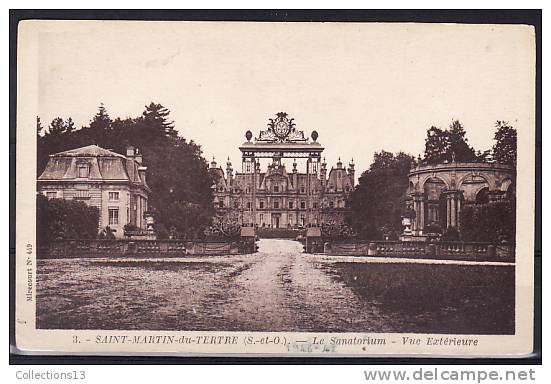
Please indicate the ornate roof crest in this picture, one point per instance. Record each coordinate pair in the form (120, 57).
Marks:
(282, 129)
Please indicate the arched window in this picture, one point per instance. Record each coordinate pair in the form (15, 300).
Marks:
(483, 196)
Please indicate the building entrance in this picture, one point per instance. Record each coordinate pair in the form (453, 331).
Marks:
(275, 220)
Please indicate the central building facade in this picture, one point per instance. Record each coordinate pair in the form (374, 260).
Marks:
(278, 197)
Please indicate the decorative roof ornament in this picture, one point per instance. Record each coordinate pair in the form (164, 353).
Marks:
(314, 135)
(282, 129)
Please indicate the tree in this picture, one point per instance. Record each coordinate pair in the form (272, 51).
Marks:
(448, 145)
(377, 203)
(57, 127)
(100, 127)
(505, 148)
(189, 220)
(436, 145)
(156, 115)
(69, 125)
(458, 147)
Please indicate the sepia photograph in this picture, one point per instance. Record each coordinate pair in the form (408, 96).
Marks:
(320, 187)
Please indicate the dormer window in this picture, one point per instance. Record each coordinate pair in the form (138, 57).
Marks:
(83, 171)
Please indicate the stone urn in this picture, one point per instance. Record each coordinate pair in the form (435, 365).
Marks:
(406, 223)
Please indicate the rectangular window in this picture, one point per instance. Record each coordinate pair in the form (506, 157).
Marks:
(276, 188)
(302, 205)
(51, 195)
(248, 205)
(302, 190)
(331, 204)
(261, 205)
(276, 204)
(82, 171)
(290, 205)
(113, 196)
(113, 216)
(315, 205)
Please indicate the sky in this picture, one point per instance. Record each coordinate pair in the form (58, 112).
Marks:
(362, 87)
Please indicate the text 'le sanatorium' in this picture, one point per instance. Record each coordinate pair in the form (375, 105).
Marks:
(316, 340)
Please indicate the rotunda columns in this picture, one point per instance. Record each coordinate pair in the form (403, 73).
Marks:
(453, 207)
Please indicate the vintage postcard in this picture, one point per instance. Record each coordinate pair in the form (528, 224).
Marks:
(271, 188)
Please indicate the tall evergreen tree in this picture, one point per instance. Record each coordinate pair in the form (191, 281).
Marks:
(156, 115)
(57, 127)
(101, 121)
(69, 125)
(458, 146)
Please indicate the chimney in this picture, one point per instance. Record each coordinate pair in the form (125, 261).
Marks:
(129, 151)
(138, 156)
(130, 162)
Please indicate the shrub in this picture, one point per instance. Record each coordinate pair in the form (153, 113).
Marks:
(494, 222)
(58, 219)
(433, 228)
(451, 234)
(130, 228)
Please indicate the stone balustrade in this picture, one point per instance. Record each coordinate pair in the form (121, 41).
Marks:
(468, 251)
(120, 247)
